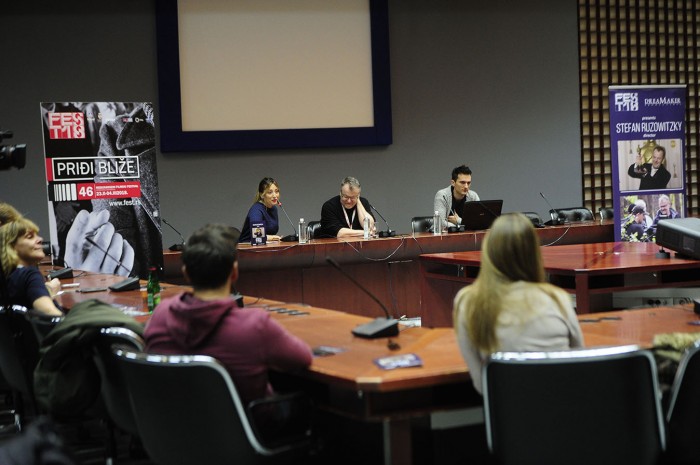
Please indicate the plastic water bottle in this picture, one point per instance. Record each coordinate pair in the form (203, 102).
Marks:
(366, 227)
(437, 224)
(303, 233)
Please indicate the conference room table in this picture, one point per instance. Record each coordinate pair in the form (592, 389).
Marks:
(351, 384)
(387, 267)
(592, 272)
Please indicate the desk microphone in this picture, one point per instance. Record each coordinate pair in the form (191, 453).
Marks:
(128, 284)
(290, 237)
(389, 232)
(175, 247)
(379, 327)
(554, 221)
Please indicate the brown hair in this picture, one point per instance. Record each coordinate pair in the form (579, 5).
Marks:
(9, 234)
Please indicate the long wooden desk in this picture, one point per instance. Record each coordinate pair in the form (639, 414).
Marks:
(350, 384)
(388, 267)
(589, 271)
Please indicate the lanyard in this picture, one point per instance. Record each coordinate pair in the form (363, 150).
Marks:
(347, 220)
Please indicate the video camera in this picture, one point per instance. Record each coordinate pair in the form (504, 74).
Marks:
(12, 155)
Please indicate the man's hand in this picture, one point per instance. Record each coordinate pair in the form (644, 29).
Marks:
(82, 255)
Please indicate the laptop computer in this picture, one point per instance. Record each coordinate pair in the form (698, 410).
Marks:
(480, 214)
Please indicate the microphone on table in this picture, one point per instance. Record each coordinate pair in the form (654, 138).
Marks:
(128, 284)
(389, 232)
(175, 247)
(290, 237)
(379, 327)
(554, 221)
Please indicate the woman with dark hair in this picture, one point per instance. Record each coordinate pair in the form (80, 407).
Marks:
(21, 250)
(510, 307)
(263, 211)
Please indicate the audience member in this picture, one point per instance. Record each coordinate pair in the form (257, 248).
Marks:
(510, 307)
(247, 341)
(21, 250)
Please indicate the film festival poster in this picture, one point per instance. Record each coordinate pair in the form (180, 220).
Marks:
(102, 186)
(647, 138)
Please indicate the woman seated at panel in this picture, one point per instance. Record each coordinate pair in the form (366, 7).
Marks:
(21, 250)
(510, 307)
(263, 211)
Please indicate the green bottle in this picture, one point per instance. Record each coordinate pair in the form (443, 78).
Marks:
(153, 289)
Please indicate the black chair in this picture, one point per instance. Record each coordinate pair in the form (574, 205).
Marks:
(683, 416)
(188, 412)
(20, 333)
(314, 229)
(113, 389)
(421, 224)
(576, 407)
(606, 213)
(575, 214)
(534, 217)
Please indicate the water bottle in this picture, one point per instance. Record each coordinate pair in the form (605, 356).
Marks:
(303, 233)
(437, 224)
(366, 227)
(153, 289)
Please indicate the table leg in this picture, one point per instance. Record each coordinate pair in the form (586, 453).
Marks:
(397, 442)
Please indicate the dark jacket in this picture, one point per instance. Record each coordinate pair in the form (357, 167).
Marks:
(66, 381)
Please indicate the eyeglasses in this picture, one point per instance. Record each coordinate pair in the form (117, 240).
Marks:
(347, 197)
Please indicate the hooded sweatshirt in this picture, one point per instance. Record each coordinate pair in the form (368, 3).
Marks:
(245, 340)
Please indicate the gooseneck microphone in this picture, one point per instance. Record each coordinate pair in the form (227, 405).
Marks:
(175, 247)
(554, 221)
(290, 237)
(379, 327)
(129, 284)
(389, 232)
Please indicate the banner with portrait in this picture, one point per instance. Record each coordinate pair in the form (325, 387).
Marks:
(102, 186)
(647, 138)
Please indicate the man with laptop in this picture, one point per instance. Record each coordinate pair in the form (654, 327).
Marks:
(450, 200)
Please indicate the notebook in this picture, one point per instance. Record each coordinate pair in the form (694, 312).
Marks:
(480, 214)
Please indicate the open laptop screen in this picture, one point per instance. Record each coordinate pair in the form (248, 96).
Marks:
(480, 214)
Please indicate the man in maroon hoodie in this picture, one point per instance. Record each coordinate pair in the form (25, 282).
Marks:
(208, 322)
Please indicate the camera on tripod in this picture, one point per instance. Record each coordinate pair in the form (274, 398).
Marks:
(12, 155)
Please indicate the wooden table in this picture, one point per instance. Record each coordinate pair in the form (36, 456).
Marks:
(589, 271)
(350, 384)
(388, 267)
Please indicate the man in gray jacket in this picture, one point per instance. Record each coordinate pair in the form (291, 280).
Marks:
(450, 200)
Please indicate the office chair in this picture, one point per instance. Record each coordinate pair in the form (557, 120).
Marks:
(20, 330)
(534, 217)
(421, 224)
(575, 214)
(606, 213)
(313, 229)
(683, 416)
(576, 407)
(188, 412)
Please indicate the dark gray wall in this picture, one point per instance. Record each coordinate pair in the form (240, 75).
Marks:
(489, 83)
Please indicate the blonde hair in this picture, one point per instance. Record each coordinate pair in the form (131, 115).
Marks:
(9, 234)
(510, 252)
(8, 213)
(263, 186)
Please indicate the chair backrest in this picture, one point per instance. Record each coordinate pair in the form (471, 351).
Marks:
(606, 213)
(576, 407)
(314, 229)
(534, 217)
(113, 390)
(575, 214)
(421, 224)
(188, 410)
(683, 417)
(19, 350)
